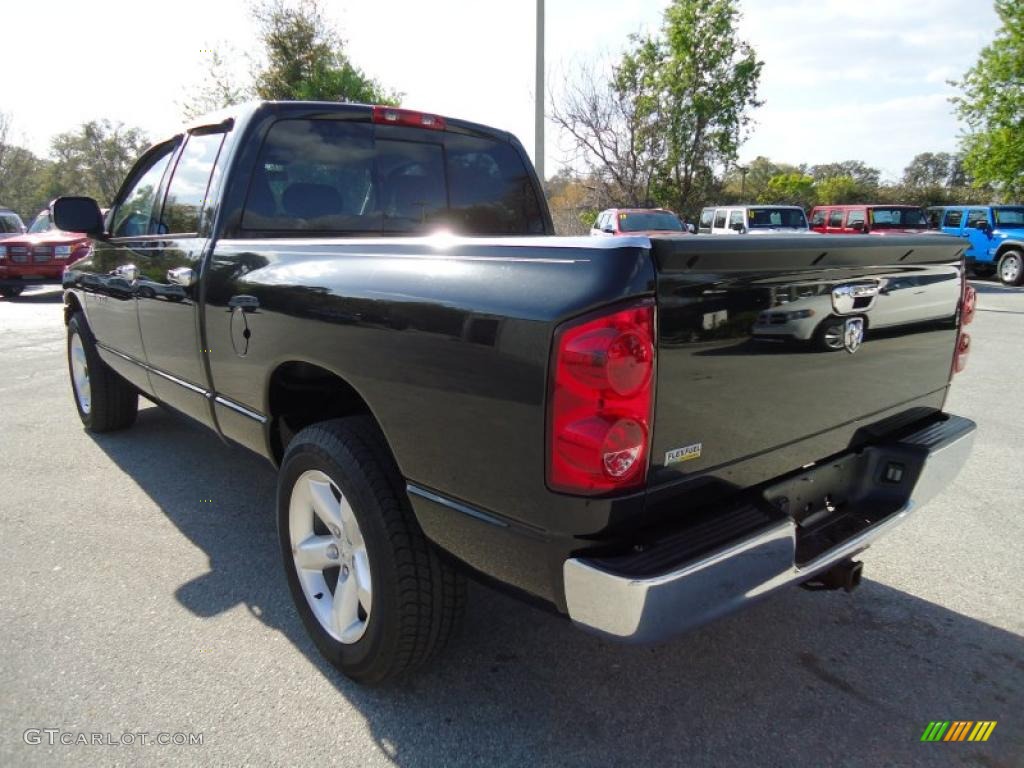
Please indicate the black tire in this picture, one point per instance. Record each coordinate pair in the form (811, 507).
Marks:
(112, 402)
(1011, 268)
(418, 598)
(826, 333)
(11, 291)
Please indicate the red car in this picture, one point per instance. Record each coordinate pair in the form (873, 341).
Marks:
(39, 256)
(637, 221)
(868, 219)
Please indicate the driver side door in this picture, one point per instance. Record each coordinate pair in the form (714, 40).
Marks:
(110, 277)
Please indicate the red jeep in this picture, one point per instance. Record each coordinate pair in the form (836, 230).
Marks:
(39, 256)
(865, 219)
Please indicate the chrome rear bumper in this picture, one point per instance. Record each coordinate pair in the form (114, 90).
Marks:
(651, 608)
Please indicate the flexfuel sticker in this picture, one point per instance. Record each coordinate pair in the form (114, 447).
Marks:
(686, 453)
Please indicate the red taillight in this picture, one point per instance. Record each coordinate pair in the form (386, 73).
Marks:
(408, 117)
(963, 350)
(599, 417)
(970, 304)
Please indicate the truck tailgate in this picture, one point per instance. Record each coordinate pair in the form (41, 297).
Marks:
(759, 367)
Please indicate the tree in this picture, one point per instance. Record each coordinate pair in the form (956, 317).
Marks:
(301, 57)
(992, 105)
(840, 189)
(304, 58)
(790, 189)
(674, 112)
(219, 89)
(933, 169)
(864, 175)
(750, 181)
(94, 159)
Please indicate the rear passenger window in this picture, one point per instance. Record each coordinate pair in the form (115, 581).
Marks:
(336, 176)
(953, 218)
(719, 219)
(975, 215)
(187, 191)
(835, 219)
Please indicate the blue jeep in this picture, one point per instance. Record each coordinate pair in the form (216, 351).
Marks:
(995, 235)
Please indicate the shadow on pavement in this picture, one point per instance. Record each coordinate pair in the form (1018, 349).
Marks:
(996, 288)
(45, 295)
(803, 678)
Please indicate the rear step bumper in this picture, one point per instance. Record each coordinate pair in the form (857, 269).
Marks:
(614, 602)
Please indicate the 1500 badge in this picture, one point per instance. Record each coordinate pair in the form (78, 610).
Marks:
(686, 453)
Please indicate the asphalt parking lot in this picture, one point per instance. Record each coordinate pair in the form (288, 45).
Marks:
(128, 604)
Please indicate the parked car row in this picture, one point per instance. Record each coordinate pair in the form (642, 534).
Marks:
(995, 233)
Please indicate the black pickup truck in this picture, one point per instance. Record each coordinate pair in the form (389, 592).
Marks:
(373, 299)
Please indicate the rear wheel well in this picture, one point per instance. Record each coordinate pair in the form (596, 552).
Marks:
(302, 394)
(1007, 247)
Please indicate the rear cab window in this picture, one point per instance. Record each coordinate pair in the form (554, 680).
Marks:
(835, 219)
(720, 219)
(344, 177)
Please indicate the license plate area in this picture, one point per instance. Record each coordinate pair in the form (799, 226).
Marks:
(840, 498)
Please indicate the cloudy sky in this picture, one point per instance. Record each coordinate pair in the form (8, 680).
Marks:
(842, 80)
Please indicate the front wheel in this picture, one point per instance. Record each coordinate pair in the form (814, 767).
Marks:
(374, 595)
(104, 400)
(11, 291)
(829, 335)
(1011, 268)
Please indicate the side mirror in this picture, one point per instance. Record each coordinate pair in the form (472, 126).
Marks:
(77, 214)
(608, 231)
(857, 225)
(982, 225)
(739, 227)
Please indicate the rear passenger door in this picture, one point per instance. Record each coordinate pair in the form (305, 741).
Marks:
(719, 227)
(980, 239)
(856, 221)
(817, 222)
(168, 282)
(736, 222)
(834, 222)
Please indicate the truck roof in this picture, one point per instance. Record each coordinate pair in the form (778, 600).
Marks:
(250, 110)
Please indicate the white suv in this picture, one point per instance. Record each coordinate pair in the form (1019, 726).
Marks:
(753, 220)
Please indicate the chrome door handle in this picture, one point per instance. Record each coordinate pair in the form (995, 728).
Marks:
(181, 276)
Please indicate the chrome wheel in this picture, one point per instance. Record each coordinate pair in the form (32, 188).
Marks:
(330, 556)
(80, 374)
(833, 336)
(1010, 269)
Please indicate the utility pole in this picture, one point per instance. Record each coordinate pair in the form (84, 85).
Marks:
(538, 125)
